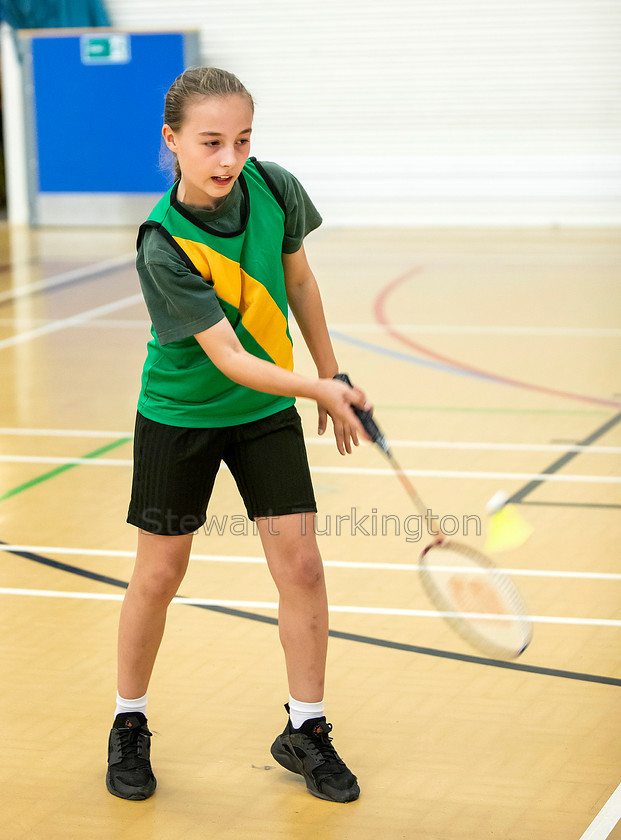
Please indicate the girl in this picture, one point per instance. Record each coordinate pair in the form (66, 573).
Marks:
(220, 261)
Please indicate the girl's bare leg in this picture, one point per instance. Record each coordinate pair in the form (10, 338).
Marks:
(294, 561)
(161, 563)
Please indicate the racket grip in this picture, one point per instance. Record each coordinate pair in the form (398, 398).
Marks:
(366, 418)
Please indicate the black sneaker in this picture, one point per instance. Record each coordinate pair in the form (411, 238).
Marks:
(309, 752)
(129, 768)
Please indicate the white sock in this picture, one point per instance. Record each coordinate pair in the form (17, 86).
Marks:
(300, 712)
(130, 706)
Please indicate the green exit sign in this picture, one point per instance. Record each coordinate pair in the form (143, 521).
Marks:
(105, 49)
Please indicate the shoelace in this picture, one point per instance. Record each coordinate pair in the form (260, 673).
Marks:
(321, 744)
(130, 748)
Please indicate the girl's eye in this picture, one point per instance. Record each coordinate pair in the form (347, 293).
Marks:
(243, 141)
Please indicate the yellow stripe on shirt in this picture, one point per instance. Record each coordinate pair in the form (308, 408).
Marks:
(260, 314)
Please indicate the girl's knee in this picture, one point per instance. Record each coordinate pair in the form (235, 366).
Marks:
(160, 566)
(160, 583)
(303, 569)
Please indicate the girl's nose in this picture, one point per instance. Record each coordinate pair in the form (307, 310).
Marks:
(227, 157)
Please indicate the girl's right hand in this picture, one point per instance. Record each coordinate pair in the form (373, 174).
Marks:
(336, 398)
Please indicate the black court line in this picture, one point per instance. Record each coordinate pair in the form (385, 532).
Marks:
(519, 495)
(572, 504)
(337, 634)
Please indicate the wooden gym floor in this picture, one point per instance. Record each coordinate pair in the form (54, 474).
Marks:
(489, 354)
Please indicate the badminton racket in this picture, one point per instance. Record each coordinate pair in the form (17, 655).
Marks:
(479, 601)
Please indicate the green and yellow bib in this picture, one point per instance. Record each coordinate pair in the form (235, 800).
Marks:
(180, 384)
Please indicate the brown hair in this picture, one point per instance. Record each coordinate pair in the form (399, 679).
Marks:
(193, 84)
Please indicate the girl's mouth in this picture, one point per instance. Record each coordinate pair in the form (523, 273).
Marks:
(222, 180)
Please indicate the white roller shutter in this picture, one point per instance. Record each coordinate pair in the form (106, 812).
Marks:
(426, 111)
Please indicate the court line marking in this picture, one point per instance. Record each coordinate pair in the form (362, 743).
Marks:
(486, 447)
(534, 484)
(39, 479)
(74, 462)
(374, 329)
(457, 366)
(487, 329)
(271, 605)
(606, 820)
(69, 324)
(318, 441)
(373, 471)
(334, 564)
(83, 273)
(116, 323)
(73, 320)
(410, 358)
(517, 497)
(465, 409)
(77, 433)
(541, 477)
(389, 644)
(401, 356)
(602, 505)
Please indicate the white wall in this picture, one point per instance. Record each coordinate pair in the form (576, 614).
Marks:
(426, 111)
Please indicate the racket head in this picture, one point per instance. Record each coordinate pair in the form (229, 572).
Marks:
(478, 601)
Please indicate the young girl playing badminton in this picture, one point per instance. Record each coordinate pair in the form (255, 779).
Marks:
(220, 261)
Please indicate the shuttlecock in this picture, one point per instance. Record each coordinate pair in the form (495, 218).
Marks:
(507, 528)
(498, 501)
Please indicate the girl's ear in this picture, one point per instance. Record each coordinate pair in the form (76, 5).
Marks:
(169, 137)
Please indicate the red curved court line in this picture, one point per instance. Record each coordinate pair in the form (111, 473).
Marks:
(381, 318)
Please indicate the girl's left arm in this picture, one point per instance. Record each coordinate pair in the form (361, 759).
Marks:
(305, 302)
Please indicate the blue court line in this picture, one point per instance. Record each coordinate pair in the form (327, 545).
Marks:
(337, 634)
(521, 494)
(457, 370)
(403, 357)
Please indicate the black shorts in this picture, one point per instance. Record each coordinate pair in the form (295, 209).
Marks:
(175, 469)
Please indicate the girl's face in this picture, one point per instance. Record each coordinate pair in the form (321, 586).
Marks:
(212, 147)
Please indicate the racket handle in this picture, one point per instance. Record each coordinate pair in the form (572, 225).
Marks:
(366, 418)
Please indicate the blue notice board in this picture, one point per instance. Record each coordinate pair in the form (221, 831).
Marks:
(98, 110)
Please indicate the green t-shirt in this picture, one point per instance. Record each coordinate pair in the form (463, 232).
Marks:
(180, 385)
(179, 302)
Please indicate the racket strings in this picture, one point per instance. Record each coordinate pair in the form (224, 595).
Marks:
(475, 594)
(478, 600)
